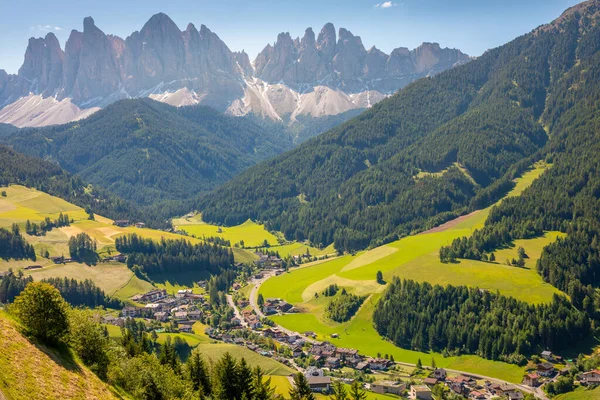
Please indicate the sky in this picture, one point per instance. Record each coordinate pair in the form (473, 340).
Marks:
(472, 26)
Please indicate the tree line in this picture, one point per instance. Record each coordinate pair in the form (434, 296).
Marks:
(14, 245)
(462, 320)
(77, 293)
(168, 256)
(46, 225)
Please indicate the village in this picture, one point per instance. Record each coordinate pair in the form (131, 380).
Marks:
(322, 362)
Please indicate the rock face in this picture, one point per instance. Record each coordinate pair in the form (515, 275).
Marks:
(320, 75)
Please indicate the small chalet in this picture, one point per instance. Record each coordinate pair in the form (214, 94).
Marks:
(477, 395)
(547, 355)
(545, 369)
(297, 351)
(121, 223)
(378, 364)
(590, 377)
(161, 316)
(152, 296)
(439, 374)
(420, 392)
(332, 362)
(321, 384)
(384, 387)
(183, 293)
(532, 379)
(140, 225)
(130, 312)
(185, 328)
(430, 381)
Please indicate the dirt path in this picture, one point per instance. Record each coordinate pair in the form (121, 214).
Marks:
(450, 224)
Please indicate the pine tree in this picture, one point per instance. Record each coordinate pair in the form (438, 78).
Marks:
(301, 389)
(198, 374)
(261, 387)
(357, 392)
(339, 391)
(225, 383)
(245, 380)
(419, 364)
(433, 363)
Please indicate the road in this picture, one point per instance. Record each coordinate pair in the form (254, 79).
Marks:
(236, 311)
(539, 393)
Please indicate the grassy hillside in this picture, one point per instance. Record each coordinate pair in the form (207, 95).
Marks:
(32, 371)
(414, 257)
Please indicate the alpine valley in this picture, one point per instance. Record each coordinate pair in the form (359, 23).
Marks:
(325, 222)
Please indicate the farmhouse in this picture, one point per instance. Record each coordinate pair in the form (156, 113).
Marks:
(33, 267)
(378, 363)
(420, 392)
(439, 374)
(297, 351)
(152, 296)
(161, 316)
(547, 355)
(545, 369)
(430, 381)
(332, 362)
(320, 384)
(384, 387)
(532, 379)
(590, 377)
(140, 225)
(121, 223)
(183, 293)
(185, 328)
(130, 312)
(57, 260)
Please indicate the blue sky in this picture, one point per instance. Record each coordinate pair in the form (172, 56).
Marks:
(470, 25)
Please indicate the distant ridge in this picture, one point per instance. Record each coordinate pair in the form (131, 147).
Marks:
(315, 76)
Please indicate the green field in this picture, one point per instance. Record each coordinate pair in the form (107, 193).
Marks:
(413, 257)
(250, 232)
(108, 276)
(581, 393)
(132, 287)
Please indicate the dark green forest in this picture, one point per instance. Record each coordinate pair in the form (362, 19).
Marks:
(14, 245)
(146, 151)
(566, 197)
(459, 320)
(173, 255)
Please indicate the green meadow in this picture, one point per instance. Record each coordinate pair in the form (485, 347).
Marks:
(250, 232)
(414, 257)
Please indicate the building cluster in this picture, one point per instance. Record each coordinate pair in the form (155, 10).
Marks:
(545, 370)
(185, 308)
(277, 306)
(268, 262)
(123, 223)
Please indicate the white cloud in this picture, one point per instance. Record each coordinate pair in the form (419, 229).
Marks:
(386, 4)
(46, 28)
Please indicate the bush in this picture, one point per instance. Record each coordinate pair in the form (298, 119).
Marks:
(42, 311)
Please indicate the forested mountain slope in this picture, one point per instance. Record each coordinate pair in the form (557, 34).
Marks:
(567, 196)
(147, 151)
(355, 185)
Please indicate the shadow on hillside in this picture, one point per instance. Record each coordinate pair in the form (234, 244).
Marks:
(60, 354)
(186, 279)
(586, 346)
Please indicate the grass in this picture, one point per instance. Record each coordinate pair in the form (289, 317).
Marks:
(109, 277)
(32, 371)
(250, 232)
(581, 393)
(134, 286)
(214, 351)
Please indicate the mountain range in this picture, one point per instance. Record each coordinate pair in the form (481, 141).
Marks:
(311, 76)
